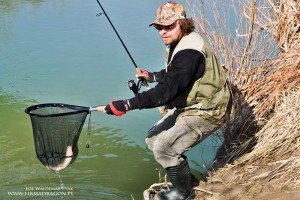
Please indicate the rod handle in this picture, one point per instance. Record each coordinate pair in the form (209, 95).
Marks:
(160, 109)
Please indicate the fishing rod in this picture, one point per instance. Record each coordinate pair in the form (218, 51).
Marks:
(131, 84)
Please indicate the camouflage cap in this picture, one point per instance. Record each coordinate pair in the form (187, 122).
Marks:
(168, 13)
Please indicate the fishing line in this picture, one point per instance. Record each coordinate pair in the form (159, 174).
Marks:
(89, 131)
(99, 14)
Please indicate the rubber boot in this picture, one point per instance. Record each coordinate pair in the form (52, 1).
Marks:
(180, 177)
(195, 182)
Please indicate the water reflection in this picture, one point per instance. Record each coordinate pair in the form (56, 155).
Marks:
(35, 2)
(9, 5)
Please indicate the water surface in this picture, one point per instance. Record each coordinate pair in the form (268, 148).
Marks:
(59, 51)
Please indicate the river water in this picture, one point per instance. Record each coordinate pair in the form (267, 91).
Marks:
(59, 51)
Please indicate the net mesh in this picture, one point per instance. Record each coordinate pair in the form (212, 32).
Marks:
(56, 130)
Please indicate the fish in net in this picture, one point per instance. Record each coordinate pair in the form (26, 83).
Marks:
(56, 130)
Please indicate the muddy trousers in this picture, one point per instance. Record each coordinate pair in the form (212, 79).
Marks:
(169, 138)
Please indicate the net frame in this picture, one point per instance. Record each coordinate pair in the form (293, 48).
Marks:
(78, 109)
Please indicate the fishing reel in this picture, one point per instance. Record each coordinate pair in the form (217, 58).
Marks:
(135, 88)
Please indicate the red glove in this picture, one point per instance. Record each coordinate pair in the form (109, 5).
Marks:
(117, 107)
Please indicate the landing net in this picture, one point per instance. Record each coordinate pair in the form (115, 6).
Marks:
(56, 130)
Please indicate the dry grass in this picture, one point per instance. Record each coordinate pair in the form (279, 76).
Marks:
(259, 43)
(261, 54)
(259, 48)
(277, 148)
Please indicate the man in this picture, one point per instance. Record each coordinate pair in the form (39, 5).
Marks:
(194, 90)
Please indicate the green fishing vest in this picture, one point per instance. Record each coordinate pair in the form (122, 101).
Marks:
(208, 96)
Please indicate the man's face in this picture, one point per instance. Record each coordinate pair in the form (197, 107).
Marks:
(170, 34)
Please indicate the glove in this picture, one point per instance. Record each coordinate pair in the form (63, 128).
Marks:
(148, 76)
(117, 107)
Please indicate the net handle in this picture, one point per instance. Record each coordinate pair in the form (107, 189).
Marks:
(98, 108)
(102, 109)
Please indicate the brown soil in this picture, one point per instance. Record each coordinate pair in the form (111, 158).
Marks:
(229, 187)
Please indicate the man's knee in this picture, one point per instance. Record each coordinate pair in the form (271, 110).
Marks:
(164, 154)
(158, 150)
(149, 142)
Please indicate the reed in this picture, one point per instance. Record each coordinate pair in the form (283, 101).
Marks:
(258, 42)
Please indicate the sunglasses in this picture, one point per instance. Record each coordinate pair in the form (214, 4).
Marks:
(167, 28)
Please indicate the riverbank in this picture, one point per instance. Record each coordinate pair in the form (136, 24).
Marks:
(271, 169)
(260, 157)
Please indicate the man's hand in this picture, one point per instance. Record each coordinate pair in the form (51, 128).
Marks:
(148, 76)
(117, 107)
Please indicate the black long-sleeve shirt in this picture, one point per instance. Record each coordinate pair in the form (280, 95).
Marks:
(183, 72)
